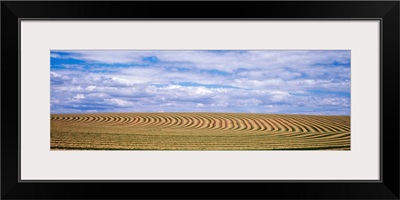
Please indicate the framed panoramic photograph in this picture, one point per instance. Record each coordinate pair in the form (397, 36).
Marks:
(290, 96)
(200, 100)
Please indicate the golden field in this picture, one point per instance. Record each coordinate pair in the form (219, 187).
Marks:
(198, 131)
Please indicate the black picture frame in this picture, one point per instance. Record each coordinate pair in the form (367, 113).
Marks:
(386, 11)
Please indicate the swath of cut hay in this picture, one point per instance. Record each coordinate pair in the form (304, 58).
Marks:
(199, 131)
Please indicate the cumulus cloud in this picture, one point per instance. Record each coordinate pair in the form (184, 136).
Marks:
(79, 96)
(118, 102)
(308, 82)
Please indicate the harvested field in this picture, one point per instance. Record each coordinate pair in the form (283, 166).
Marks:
(198, 131)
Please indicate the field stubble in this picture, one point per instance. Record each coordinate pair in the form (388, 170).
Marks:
(198, 131)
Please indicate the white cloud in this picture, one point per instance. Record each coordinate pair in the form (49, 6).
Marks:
(54, 55)
(199, 105)
(55, 74)
(280, 96)
(90, 87)
(118, 102)
(109, 57)
(79, 96)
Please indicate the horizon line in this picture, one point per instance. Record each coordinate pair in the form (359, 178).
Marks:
(199, 112)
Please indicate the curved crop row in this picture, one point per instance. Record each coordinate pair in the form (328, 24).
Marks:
(199, 131)
(216, 121)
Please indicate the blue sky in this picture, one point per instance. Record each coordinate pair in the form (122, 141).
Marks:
(264, 81)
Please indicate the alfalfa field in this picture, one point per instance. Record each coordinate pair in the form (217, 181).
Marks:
(199, 131)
